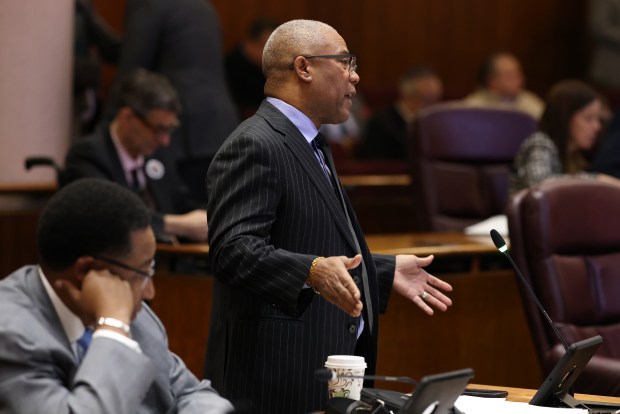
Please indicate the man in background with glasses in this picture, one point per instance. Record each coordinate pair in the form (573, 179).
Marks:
(76, 336)
(132, 151)
(295, 281)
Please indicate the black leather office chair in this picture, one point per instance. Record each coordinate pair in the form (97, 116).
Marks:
(462, 157)
(565, 238)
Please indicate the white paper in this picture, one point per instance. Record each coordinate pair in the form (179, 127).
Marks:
(478, 405)
(499, 223)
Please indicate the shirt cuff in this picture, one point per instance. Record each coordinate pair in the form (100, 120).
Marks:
(128, 342)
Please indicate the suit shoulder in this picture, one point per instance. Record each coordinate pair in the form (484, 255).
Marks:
(255, 130)
(93, 144)
(149, 319)
(16, 299)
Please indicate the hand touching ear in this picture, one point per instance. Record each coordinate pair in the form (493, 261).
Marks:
(94, 293)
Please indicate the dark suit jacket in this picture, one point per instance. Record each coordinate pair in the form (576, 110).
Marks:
(95, 156)
(385, 136)
(607, 157)
(182, 40)
(272, 211)
(39, 372)
(246, 82)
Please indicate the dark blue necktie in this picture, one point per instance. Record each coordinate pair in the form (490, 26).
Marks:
(321, 148)
(84, 342)
(321, 158)
(135, 181)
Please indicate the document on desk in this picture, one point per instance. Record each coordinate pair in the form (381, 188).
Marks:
(499, 223)
(478, 405)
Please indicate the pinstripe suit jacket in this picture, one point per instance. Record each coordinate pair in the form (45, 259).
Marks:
(272, 211)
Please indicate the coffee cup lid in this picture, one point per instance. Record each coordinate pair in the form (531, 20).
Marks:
(345, 361)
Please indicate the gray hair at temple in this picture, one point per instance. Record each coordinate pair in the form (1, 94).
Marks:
(144, 91)
(289, 40)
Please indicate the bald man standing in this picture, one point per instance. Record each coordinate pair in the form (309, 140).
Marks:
(295, 281)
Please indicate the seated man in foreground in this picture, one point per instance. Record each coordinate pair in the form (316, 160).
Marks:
(96, 253)
(131, 152)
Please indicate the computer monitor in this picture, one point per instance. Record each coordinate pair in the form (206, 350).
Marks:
(435, 393)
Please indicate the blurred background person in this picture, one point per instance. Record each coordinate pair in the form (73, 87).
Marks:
(604, 28)
(385, 135)
(94, 41)
(568, 131)
(182, 40)
(502, 84)
(132, 151)
(244, 70)
(607, 157)
(344, 138)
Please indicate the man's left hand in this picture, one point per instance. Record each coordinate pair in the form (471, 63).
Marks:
(420, 287)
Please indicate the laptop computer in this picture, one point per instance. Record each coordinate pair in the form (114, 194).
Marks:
(555, 390)
(434, 394)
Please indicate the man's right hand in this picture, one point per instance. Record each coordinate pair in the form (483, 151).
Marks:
(330, 277)
(102, 294)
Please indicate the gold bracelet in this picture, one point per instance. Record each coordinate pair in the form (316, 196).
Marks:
(311, 273)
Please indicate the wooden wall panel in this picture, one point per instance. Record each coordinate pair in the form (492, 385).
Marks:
(411, 343)
(452, 36)
(19, 215)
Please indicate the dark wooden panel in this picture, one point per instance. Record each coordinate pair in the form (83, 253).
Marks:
(183, 303)
(485, 329)
(451, 36)
(17, 240)
(19, 213)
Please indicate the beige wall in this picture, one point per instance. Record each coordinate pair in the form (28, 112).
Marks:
(35, 83)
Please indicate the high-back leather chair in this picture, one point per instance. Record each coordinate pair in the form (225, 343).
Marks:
(565, 238)
(462, 157)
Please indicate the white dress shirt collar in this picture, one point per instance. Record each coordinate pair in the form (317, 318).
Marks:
(71, 324)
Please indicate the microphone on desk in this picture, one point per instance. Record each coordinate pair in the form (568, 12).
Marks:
(499, 242)
(326, 374)
(556, 389)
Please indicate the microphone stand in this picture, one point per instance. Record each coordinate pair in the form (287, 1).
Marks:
(501, 245)
(499, 242)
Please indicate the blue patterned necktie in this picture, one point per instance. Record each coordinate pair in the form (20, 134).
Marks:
(84, 342)
(321, 158)
(323, 153)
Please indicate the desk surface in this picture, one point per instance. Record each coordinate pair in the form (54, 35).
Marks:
(423, 244)
(184, 249)
(25, 188)
(420, 244)
(375, 180)
(525, 395)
